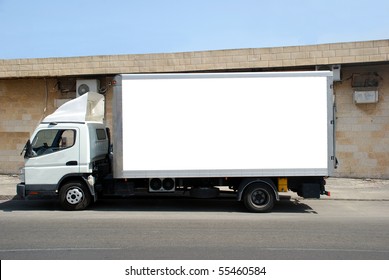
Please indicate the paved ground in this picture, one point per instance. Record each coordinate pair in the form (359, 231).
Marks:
(340, 189)
(351, 224)
(179, 229)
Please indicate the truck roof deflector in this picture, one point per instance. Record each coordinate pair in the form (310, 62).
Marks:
(87, 107)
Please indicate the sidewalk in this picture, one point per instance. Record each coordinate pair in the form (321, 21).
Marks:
(340, 189)
(357, 189)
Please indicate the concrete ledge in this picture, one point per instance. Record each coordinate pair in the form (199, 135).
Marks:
(293, 56)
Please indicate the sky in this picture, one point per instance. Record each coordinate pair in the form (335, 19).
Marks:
(65, 28)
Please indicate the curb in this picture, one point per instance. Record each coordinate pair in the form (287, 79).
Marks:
(16, 197)
(10, 197)
(349, 199)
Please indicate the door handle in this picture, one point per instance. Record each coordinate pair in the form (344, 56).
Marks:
(72, 162)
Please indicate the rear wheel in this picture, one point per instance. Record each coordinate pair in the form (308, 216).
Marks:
(259, 198)
(74, 196)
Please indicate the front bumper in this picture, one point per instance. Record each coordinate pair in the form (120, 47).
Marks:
(21, 190)
(36, 192)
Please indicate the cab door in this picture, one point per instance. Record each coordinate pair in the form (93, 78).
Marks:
(55, 153)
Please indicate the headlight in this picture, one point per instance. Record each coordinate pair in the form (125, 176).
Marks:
(21, 174)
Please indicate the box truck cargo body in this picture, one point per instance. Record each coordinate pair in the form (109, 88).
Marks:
(256, 133)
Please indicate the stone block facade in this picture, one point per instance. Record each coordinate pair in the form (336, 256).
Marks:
(29, 89)
(23, 104)
(238, 59)
(362, 130)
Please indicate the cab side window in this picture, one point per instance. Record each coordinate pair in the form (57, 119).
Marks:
(101, 134)
(68, 138)
(48, 141)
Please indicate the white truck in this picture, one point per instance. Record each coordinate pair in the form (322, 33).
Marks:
(252, 134)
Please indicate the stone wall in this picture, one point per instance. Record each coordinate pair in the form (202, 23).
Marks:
(296, 56)
(362, 130)
(23, 103)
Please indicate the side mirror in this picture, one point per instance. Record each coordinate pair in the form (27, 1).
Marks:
(29, 153)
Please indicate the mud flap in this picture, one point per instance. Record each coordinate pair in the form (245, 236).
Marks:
(310, 190)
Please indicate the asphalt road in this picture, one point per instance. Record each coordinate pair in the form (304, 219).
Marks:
(171, 228)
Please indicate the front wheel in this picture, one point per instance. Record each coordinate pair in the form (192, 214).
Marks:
(259, 198)
(74, 196)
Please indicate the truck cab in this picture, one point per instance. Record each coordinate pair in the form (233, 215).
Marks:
(63, 152)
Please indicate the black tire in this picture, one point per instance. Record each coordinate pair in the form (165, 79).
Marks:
(74, 195)
(259, 198)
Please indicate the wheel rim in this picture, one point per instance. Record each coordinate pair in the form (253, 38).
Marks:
(259, 197)
(74, 196)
